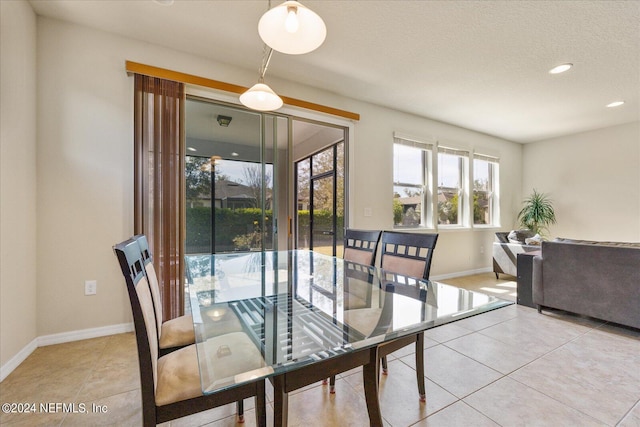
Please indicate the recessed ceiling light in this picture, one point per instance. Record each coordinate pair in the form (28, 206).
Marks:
(191, 149)
(164, 2)
(615, 104)
(234, 154)
(560, 68)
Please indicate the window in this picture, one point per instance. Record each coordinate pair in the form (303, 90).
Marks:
(457, 193)
(452, 173)
(411, 189)
(485, 190)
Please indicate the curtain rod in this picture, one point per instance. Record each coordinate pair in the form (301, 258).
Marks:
(150, 70)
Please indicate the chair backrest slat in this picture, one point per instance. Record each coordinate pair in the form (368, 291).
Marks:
(408, 253)
(152, 278)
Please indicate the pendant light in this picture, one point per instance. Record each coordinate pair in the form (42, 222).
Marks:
(292, 28)
(260, 96)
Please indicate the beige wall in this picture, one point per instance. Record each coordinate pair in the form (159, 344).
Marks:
(85, 170)
(593, 179)
(17, 178)
(85, 177)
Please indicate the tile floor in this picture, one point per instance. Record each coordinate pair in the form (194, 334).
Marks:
(508, 367)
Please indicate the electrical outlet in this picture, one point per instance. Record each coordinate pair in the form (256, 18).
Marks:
(368, 212)
(481, 249)
(90, 287)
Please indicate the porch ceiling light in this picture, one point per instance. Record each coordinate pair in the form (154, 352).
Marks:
(224, 121)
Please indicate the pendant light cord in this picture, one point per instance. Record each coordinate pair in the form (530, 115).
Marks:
(267, 52)
(266, 58)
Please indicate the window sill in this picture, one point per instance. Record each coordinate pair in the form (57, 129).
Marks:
(489, 227)
(426, 229)
(452, 228)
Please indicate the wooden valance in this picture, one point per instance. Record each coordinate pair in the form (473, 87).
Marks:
(163, 73)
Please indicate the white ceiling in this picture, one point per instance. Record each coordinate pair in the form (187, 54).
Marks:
(482, 65)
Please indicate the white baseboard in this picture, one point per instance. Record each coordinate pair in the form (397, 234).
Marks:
(84, 334)
(61, 338)
(461, 273)
(16, 360)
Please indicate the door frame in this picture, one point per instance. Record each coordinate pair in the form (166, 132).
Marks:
(333, 173)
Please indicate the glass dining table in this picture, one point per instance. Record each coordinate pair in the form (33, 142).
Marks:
(310, 316)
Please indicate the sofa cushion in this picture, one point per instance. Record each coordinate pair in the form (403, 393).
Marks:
(519, 236)
(594, 242)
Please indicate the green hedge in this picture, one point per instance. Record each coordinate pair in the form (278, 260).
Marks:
(238, 222)
(230, 223)
(323, 219)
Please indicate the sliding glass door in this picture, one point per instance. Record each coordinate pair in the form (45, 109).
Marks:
(235, 178)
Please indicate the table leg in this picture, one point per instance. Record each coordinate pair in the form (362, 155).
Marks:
(370, 379)
(261, 404)
(280, 402)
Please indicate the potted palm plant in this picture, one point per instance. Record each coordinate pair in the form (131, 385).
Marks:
(537, 213)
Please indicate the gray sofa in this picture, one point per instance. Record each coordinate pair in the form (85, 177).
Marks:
(596, 279)
(505, 253)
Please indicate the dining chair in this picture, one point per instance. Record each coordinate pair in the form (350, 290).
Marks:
(176, 333)
(408, 254)
(170, 384)
(360, 246)
(173, 333)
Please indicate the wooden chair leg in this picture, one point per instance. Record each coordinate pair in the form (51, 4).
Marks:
(240, 410)
(385, 370)
(332, 385)
(420, 366)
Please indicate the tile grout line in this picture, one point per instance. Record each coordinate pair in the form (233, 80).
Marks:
(544, 393)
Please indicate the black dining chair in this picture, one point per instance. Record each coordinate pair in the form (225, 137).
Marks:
(408, 254)
(360, 246)
(170, 384)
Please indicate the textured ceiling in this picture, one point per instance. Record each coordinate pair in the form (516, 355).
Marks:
(482, 65)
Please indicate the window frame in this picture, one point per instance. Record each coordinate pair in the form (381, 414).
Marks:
(493, 188)
(463, 190)
(427, 146)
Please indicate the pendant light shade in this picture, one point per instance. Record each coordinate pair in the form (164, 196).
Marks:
(260, 97)
(292, 28)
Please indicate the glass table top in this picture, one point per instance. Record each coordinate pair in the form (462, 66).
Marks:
(258, 314)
